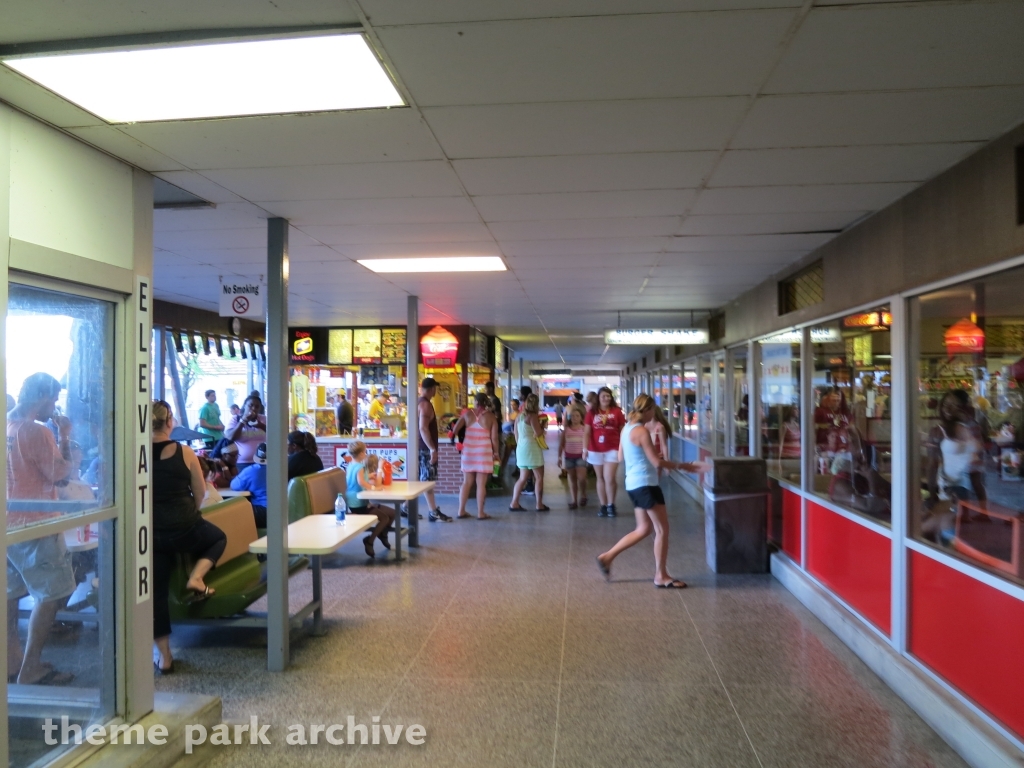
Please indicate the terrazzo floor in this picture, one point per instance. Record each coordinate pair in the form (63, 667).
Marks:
(504, 641)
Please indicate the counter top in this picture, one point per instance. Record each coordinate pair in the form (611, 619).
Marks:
(368, 440)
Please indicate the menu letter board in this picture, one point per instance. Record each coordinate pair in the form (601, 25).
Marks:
(392, 346)
(339, 346)
(499, 355)
(366, 345)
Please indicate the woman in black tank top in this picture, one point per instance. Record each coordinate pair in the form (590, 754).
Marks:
(178, 527)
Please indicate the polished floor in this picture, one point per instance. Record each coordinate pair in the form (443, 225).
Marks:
(504, 641)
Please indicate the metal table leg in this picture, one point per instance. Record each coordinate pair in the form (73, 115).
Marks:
(398, 530)
(318, 600)
(414, 522)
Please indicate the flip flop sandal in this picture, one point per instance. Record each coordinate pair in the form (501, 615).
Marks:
(674, 584)
(516, 509)
(484, 517)
(573, 505)
(368, 546)
(544, 508)
(161, 671)
(463, 517)
(605, 569)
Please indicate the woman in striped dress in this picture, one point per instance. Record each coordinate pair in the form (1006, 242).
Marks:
(479, 452)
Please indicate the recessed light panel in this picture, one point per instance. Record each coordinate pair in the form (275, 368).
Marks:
(440, 264)
(255, 77)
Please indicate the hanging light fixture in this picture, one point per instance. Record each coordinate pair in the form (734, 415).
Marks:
(964, 337)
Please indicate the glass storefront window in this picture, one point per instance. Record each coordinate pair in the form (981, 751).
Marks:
(688, 409)
(60, 426)
(705, 414)
(780, 405)
(852, 425)
(720, 410)
(967, 357)
(740, 404)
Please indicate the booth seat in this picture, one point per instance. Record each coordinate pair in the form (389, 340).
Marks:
(239, 579)
(315, 494)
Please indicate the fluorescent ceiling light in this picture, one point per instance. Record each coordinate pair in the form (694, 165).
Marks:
(181, 82)
(438, 264)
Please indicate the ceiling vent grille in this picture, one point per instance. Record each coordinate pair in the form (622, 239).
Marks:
(803, 289)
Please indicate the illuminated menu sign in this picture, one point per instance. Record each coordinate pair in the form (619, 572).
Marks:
(392, 346)
(499, 355)
(366, 345)
(339, 346)
(304, 345)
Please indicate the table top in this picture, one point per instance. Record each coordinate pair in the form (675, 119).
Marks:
(320, 534)
(399, 490)
(227, 493)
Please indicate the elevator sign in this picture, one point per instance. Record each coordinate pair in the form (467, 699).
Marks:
(241, 298)
(143, 443)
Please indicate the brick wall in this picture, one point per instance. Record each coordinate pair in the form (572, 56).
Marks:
(326, 453)
(449, 472)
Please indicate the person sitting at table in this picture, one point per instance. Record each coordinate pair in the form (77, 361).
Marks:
(212, 494)
(249, 430)
(361, 475)
(302, 456)
(254, 480)
(223, 465)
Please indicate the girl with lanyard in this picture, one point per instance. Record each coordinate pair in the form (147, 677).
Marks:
(602, 426)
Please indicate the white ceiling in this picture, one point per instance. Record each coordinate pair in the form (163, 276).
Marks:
(703, 144)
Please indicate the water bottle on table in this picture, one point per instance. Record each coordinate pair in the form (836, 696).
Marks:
(340, 508)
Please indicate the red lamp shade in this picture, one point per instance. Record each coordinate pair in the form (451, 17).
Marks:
(964, 338)
(439, 347)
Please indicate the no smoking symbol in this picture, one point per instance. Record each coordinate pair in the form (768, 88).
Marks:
(240, 305)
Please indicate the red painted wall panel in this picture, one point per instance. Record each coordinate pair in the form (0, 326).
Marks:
(791, 525)
(853, 561)
(969, 634)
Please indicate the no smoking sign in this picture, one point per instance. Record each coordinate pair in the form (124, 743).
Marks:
(241, 298)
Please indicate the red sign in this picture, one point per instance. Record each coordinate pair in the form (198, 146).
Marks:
(964, 338)
(439, 347)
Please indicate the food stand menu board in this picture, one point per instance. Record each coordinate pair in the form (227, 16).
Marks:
(366, 345)
(392, 346)
(339, 346)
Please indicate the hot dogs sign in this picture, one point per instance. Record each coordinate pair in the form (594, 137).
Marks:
(396, 454)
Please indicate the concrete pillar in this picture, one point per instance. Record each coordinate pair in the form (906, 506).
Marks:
(412, 426)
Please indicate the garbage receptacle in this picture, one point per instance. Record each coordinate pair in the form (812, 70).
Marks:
(736, 515)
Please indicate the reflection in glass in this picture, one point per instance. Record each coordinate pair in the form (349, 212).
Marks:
(852, 425)
(689, 400)
(704, 404)
(60, 405)
(740, 404)
(780, 408)
(720, 411)
(967, 358)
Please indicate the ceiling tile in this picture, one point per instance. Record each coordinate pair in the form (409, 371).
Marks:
(583, 246)
(200, 185)
(769, 223)
(597, 58)
(905, 117)
(585, 173)
(796, 199)
(362, 136)
(225, 216)
(397, 210)
(837, 165)
(911, 45)
(704, 244)
(510, 130)
(588, 228)
(336, 182)
(583, 205)
(114, 141)
(385, 250)
(399, 233)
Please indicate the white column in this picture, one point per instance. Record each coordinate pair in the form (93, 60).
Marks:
(278, 653)
(900, 398)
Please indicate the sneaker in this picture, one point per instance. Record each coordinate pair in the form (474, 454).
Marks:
(611, 510)
(437, 514)
(601, 512)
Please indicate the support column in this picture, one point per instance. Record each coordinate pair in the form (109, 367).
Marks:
(278, 652)
(412, 416)
(754, 404)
